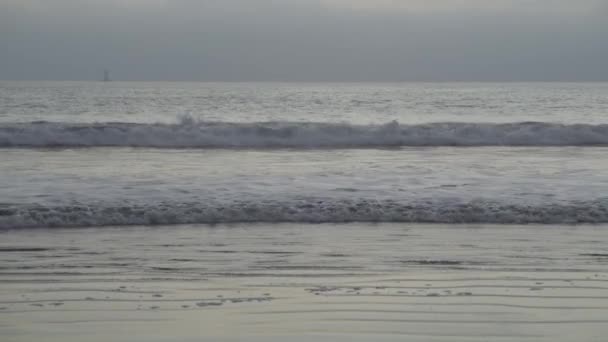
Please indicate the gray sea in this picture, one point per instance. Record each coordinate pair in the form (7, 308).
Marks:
(78, 154)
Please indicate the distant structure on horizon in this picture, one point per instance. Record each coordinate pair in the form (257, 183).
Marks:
(106, 75)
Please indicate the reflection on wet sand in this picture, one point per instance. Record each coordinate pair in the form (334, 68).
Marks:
(303, 282)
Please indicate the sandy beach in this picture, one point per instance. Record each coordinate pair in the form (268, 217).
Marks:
(322, 282)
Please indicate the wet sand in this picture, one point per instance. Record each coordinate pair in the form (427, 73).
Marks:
(361, 282)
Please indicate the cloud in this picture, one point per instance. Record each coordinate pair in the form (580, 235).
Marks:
(468, 6)
(335, 40)
(412, 6)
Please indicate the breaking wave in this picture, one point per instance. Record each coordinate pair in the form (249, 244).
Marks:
(302, 211)
(194, 134)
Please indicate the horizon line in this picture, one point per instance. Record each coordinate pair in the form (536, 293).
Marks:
(304, 81)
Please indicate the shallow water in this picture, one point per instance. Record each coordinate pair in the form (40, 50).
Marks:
(125, 186)
(302, 282)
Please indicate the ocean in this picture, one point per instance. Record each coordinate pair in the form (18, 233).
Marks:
(83, 154)
(444, 212)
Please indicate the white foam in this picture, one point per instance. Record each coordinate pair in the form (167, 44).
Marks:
(192, 134)
(303, 211)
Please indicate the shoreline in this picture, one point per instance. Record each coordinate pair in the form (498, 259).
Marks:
(261, 282)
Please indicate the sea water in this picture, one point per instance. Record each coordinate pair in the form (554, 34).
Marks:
(75, 154)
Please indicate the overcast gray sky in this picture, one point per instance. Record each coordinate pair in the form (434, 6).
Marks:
(305, 40)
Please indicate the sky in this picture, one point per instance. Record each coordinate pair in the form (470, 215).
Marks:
(305, 40)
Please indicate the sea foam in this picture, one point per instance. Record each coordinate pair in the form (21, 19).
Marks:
(194, 134)
(302, 211)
